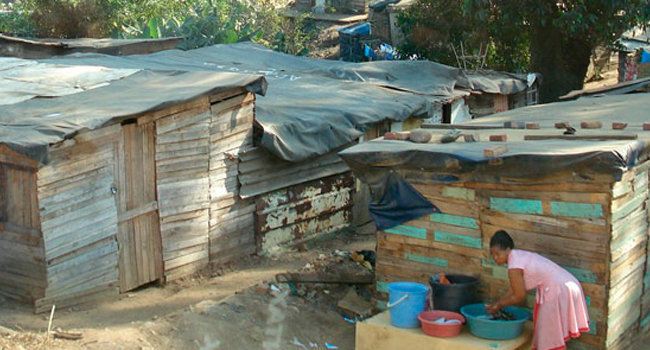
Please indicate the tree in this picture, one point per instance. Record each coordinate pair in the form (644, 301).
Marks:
(553, 37)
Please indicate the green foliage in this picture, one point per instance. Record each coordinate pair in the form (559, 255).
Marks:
(552, 37)
(63, 18)
(14, 21)
(201, 22)
(436, 29)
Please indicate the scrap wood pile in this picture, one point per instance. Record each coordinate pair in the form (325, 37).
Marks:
(347, 277)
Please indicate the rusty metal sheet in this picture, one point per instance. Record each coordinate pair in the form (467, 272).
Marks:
(303, 202)
(323, 224)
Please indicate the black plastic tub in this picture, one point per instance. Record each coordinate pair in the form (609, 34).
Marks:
(451, 297)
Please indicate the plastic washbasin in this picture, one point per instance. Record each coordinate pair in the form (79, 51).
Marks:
(493, 329)
(442, 330)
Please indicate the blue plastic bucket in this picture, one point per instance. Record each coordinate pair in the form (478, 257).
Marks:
(405, 301)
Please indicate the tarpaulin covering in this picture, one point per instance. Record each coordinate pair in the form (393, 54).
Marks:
(22, 80)
(493, 82)
(399, 203)
(313, 106)
(29, 127)
(377, 162)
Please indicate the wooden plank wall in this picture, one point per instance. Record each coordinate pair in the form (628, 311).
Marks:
(79, 216)
(22, 261)
(644, 323)
(261, 172)
(231, 217)
(182, 158)
(567, 222)
(628, 258)
(300, 211)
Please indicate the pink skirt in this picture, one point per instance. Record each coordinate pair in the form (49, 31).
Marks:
(560, 314)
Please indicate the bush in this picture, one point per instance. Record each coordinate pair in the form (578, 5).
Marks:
(201, 22)
(14, 21)
(69, 18)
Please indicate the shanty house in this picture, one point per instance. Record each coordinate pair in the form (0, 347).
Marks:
(633, 55)
(578, 199)
(299, 186)
(121, 184)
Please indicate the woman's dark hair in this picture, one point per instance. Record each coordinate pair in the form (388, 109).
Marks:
(502, 240)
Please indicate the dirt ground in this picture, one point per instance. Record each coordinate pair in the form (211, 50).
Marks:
(326, 43)
(237, 308)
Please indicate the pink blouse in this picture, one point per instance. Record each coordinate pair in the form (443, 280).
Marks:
(539, 272)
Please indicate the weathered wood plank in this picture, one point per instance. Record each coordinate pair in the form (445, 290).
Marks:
(68, 244)
(95, 294)
(138, 211)
(566, 227)
(225, 95)
(590, 250)
(231, 103)
(181, 120)
(81, 224)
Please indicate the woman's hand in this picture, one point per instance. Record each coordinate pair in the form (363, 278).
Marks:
(492, 308)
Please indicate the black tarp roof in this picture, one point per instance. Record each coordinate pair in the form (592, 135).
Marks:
(29, 127)
(314, 106)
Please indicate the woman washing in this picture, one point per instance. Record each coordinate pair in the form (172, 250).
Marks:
(560, 307)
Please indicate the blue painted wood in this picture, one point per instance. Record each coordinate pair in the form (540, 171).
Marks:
(488, 262)
(645, 321)
(592, 327)
(588, 301)
(582, 275)
(427, 259)
(456, 220)
(409, 231)
(512, 205)
(452, 238)
(582, 210)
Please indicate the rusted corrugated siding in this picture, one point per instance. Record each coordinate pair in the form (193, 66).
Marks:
(303, 210)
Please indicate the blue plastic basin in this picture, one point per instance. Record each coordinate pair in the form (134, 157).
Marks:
(491, 329)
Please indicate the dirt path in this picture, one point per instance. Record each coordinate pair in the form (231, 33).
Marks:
(235, 310)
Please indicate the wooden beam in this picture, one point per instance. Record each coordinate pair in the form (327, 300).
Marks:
(581, 137)
(141, 210)
(9, 156)
(340, 278)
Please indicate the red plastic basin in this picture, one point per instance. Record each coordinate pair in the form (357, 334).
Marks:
(442, 330)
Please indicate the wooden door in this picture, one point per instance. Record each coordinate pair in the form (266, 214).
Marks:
(139, 231)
